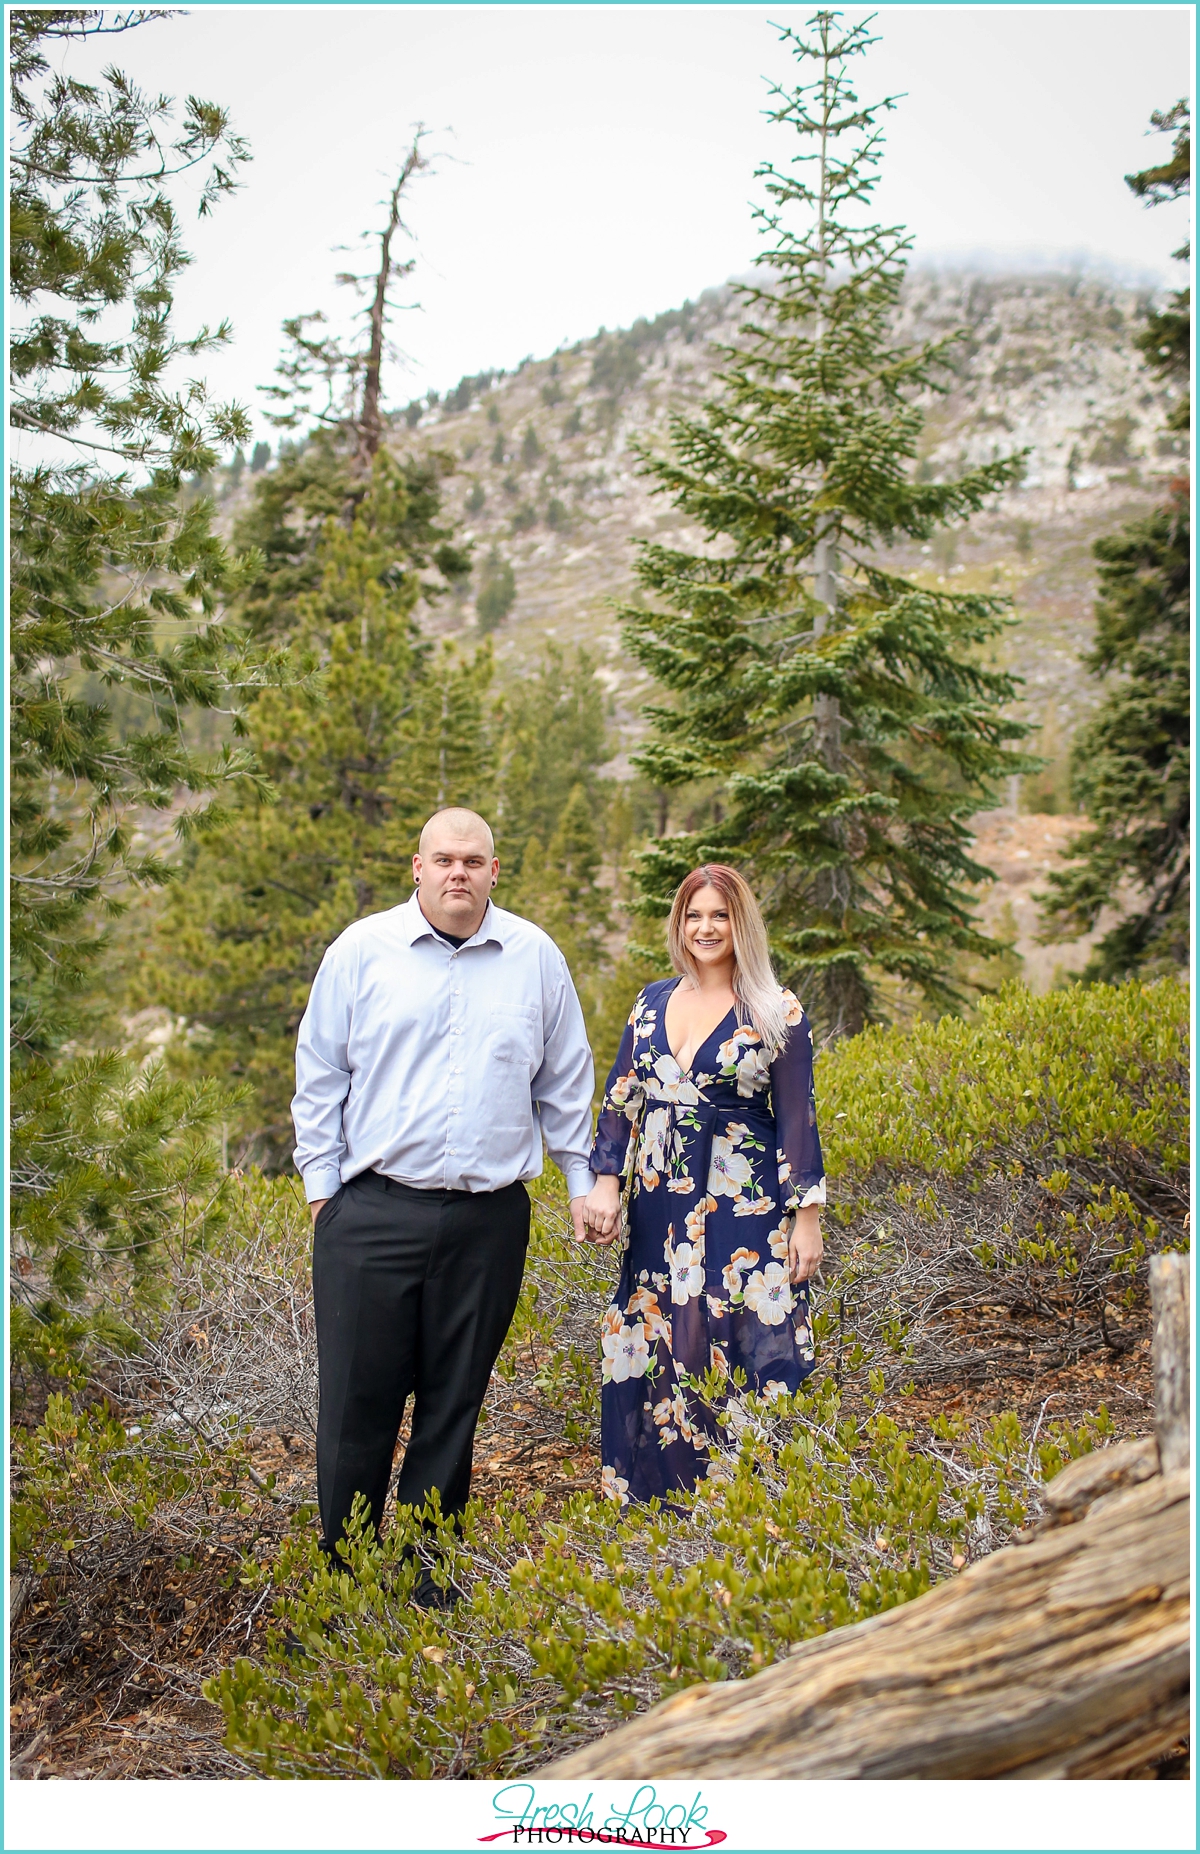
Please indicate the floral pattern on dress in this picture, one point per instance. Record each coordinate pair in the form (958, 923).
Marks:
(717, 1160)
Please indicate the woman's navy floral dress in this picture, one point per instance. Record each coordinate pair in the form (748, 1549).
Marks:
(720, 1159)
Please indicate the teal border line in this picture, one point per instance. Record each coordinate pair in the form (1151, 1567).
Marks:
(874, 7)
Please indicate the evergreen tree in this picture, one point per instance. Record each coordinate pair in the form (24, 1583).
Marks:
(283, 530)
(330, 390)
(565, 833)
(555, 742)
(558, 887)
(840, 718)
(1131, 764)
(497, 591)
(357, 760)
(115, 572)
(1166, 340)
(345, 536)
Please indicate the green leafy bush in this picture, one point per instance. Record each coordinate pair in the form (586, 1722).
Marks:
(82, 1477)
(818, 1511)
(1001, 1184)
(813, 1519)
(1099, 1072)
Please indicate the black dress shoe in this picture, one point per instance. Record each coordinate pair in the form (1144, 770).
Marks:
(428, 1595)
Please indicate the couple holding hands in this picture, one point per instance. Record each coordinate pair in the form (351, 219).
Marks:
(443, 1041)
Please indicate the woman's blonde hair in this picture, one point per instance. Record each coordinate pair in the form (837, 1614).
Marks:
(754, 984)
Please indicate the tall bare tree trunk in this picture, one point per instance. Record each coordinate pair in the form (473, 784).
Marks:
(370, 425)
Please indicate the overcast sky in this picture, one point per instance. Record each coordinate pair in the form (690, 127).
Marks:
(597, 162)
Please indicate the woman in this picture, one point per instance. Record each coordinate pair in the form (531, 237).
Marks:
(713, 1088)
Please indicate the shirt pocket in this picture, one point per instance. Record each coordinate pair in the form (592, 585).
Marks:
(513, 1035)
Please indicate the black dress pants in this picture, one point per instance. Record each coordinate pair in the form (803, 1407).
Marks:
(413, 1293)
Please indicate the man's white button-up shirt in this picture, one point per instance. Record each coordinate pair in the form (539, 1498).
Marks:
(438, 1067)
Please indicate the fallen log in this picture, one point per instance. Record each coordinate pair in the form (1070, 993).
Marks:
(1063, 1655)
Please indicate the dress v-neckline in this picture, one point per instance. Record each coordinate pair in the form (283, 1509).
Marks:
(686, 1073)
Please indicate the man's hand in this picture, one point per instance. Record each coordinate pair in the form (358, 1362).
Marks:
(577, 1216)
(601, 1212)
(805, 1247)
(317, 1205)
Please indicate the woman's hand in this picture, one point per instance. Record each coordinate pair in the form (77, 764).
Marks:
(805, 1247)
(602, 1211)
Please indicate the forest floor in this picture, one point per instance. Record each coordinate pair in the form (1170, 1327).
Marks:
(108, 1665)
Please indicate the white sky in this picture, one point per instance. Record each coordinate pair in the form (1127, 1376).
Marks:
(599, 160)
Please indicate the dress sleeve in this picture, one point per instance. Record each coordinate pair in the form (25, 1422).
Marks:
(801, 1169)
(620, 1108)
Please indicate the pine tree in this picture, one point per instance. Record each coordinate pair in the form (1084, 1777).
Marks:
(1131, 764)
(382, 731)
(555, 740)
(840, 719)
(1166, 340)
(358, 759)
(115, 572)
(562, 831)
(558, 887)
(497, 591)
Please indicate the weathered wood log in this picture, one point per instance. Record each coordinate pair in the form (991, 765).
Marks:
(1076, 1488)
(1171, 1305)
(20, 1589)
(1063, 1657)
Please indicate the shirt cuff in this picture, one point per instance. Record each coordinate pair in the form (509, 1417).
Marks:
(579, 1181)
(321, 1181)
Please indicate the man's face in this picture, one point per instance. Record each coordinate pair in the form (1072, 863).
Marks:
(455, 876)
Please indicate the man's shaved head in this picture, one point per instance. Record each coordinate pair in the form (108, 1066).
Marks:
(456, 823)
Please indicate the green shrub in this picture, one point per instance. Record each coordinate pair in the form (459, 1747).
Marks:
(1000, 1184)
(819, 1510)
(497, 591)
(82, 1474)
(1096, 1072)
(815, 1520)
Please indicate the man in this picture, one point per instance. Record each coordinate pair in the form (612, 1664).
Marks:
(441, 1041)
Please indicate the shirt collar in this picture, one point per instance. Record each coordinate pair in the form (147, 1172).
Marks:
(417, 927)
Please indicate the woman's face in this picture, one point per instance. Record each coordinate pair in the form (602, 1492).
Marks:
(706, 928)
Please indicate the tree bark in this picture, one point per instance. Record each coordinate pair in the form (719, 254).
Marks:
(1171, 1303)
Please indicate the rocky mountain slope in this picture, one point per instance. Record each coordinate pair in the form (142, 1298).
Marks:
(547, 475)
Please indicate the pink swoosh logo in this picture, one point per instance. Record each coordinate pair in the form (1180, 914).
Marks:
(607, 1838)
